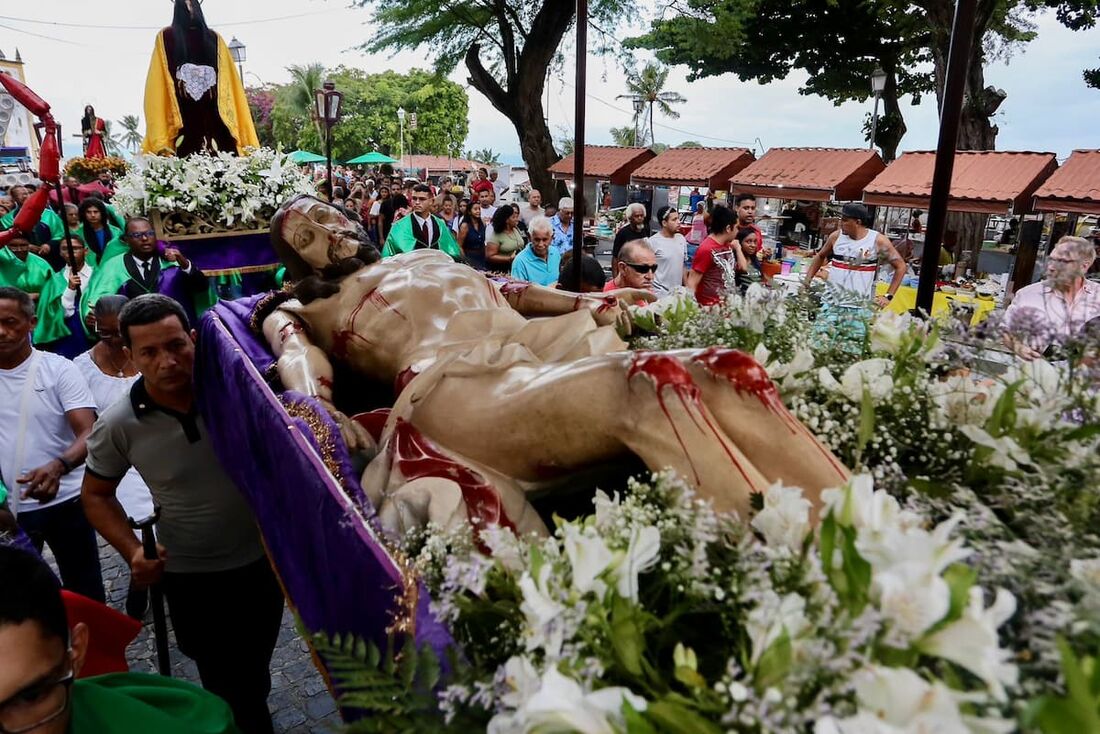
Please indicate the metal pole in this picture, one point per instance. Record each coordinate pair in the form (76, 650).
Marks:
(874, 123)
(328, 158)
(156, 592)
(958, 61)
(578, 142)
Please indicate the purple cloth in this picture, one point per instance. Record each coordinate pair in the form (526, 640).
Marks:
(331, 563)
(216, 255)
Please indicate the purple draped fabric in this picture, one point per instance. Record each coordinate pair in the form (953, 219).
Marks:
(215, 255)
(331, 563)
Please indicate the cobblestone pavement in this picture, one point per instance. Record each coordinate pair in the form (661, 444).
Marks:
(299, 700)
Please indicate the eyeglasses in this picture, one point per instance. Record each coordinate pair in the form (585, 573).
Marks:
(146, 235)
(35, 705)
(638, 268)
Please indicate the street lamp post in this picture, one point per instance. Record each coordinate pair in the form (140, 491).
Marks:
(401, 123)
(638, 105)
(878, 83)
(327, 101)
(236, 50)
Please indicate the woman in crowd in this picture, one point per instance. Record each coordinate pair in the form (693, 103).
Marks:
(97, 230)
(506, 241)
(110, 373)
(448, 213)
(471, 236)
(750, 248)
(376, 211)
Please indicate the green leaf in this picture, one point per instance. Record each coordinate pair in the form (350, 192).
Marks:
(689, 677)
(959, 578)
(636, 723)
(866, 420)
(774, 664)
(676, 718)
(626, 636)
(857, 572)
(1003, 418)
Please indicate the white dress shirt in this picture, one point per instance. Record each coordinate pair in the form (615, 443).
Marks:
(68, 298)
(1049, 312)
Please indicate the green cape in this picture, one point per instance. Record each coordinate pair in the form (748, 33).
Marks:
(106, 280)
(136, 703)
(401, 238)
(28, 275)
(49, 216)
(51, 314)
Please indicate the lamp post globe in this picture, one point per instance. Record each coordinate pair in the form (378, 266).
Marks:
(237, 51)
(401, 123)
(878, 84)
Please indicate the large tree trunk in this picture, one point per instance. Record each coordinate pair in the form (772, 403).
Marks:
(976, 128)
(891, 128)
(519, 98)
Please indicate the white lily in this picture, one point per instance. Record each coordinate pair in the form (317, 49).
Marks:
(542, 613)
(520, 681)
(562, 705)
(874, 375)
(785, 519)
(888, 331)
(1007, 454)
(589, 557)
(641, 554)
(971, 641)
(772, 617)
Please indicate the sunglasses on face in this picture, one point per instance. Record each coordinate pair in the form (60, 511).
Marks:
(640, 268)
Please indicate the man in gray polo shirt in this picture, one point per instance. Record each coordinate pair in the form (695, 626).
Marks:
(224, 599)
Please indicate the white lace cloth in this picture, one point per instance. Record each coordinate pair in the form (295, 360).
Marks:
(197, 80)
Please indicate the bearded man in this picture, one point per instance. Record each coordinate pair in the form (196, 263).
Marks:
(1059, 306)
(509, 389)
(193, 91)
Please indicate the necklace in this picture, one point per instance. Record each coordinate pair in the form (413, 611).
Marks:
(119, 371)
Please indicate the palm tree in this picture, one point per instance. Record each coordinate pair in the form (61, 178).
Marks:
(648, 87)
(110, 141)
(305, 80)
(485, 156)
(624, 136)
(131, 137)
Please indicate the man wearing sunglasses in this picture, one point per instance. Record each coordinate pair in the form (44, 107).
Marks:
(143, 270)
(41, 657)
(635, 268)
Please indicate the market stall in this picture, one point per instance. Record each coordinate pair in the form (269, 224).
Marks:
(1000, 183)
(676, 168)
(603, 163)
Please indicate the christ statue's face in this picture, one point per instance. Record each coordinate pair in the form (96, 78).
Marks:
(319, 232)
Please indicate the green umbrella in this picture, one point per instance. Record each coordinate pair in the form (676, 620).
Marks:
(374, 157)
(304, 156)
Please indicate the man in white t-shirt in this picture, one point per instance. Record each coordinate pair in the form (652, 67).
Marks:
(670, 247)
(46, 414)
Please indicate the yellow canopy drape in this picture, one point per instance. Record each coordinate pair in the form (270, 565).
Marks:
(163, 121)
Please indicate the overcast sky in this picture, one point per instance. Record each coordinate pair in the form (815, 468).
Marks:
(71, 63)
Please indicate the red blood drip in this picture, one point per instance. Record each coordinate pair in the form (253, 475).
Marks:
(514, 288)
(609, 302)
(380, 301)
(374, 421)
(747, 376)
(578, 302)
(325, 381)
(404, 377)
(667, 371)
(417, 457)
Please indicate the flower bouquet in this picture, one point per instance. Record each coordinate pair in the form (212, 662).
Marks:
(87, 170)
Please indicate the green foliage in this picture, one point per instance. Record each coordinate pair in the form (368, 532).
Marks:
(648, 87)
(131, 134)
(1079, 709)
(624, 136)
(486, 155)
(690, 144)
(369, 113)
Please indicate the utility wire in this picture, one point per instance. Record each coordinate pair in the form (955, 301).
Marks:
(39, 35)
(158, 27)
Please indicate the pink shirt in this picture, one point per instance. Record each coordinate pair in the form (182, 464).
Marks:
(1040, 307)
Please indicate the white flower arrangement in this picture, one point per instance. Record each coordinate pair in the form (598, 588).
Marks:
(224, 189)
(791, 630)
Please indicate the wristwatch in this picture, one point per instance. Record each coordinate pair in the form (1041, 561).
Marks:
(65, 465)
(888, 296)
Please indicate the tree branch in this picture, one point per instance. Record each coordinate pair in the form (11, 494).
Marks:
(487, 84)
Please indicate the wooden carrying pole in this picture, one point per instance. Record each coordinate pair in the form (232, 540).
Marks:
(578, 142)
(958, 61)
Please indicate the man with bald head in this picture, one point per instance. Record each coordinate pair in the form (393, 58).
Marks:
(635, 268)
(533, 207)
(1059, 306)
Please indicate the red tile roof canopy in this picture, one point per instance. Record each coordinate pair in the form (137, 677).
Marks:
(1074, 188)
(811, 174)
(710, 167)
(438, 163)
(605, 163)
(983, 181)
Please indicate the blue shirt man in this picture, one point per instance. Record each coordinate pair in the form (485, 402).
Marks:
(562, 226)
(539, 262)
